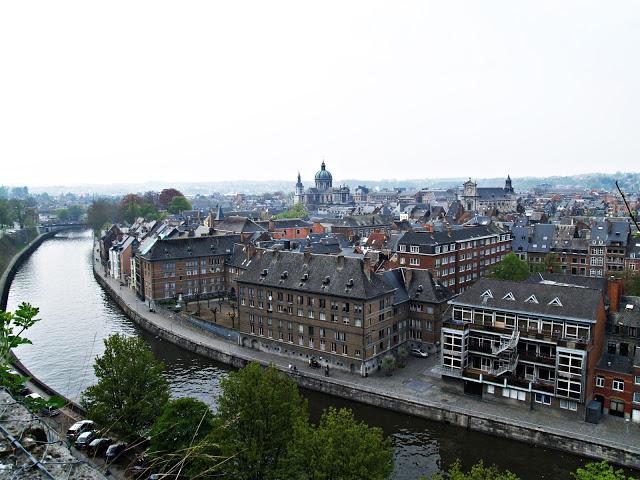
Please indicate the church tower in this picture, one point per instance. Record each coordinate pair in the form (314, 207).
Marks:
(508, 188)
(299, 193)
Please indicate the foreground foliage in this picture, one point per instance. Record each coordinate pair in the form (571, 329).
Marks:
(599, 471)
(131, 391)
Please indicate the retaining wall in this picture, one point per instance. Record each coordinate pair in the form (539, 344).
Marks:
(330, 386)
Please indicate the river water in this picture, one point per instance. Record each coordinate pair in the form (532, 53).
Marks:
(77, 315)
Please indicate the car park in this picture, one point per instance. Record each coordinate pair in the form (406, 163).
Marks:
(79, 427)
(416, 352)
(99, 446)
(84, 439)
(114, 451)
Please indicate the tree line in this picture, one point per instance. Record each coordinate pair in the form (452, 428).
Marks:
(150, 206)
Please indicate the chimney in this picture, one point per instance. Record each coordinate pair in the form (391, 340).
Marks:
(614, 290)
(339, 262)
(307, 255)
(366, 267)
(250, 251)
(408, 275)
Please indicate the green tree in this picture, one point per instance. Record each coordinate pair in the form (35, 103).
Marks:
(167, 195)
(180, 436)
(6, 215)
(599, 471)
(101, 213)
(550, 263)
(297, 211)
(63, 214)
(131, 391)
(403, 354)
(75, 212)
(258, 408)
(388, 363)
(179, 204)
(339, 448)
(130, 207)
(510, 268)
(477, 472)
(12, 326)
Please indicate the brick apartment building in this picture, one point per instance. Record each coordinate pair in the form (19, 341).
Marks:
(290, 228)
(457, 257)
(535, 343)
(188, 266)
(335, 308)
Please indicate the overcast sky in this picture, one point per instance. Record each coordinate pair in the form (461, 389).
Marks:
(103, 92)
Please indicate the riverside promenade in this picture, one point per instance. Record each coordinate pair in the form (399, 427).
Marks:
(416, 390)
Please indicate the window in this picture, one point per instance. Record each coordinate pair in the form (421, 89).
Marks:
(555, 302)
(509, 296)
(568, 405)
(491, 389)
(414, 261)
(618, 385)
(531, 299)
(637, 380)
(415, 249)
(542, 398)
(636, 397)
(600, 381)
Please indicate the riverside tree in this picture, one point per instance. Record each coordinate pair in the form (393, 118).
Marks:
(599, 471)
(259, 408)
(478, 472)
(131, 391)
(12, 326)
(180, 439)
(340, 447)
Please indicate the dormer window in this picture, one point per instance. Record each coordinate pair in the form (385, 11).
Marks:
(531, 299)
(487, 294)
(556, 301)
(415, 249)
(509, 296)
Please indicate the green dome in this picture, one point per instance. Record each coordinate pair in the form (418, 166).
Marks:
(323, 174)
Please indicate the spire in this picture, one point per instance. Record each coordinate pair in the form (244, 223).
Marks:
(299, 180)
(219, 214)
(323, 166)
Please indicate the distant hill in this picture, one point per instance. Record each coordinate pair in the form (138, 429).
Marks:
(629, 182)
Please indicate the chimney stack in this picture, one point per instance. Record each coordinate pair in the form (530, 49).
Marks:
(339, 261)
(307, 255)
(614, 290)
(408, 275)
(366, 267)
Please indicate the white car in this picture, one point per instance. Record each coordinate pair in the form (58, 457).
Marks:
(416, 352)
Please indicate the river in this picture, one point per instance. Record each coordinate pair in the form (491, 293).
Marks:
(77, 315)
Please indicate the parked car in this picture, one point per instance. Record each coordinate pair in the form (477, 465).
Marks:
(34, 396)
(49, 411)
(99, 446)
(84, 439)
(79, 427)
(114, 451)
(416, 352)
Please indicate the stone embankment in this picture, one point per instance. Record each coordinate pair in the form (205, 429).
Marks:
(617, 443)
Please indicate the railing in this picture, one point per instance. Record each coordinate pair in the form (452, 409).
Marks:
(451, 371)
(510, 344)
(507, 367)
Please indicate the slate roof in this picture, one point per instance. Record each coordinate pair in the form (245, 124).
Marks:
(291, 223)
(520, 239)
(360, 221)
(236, 224)
(486, 193)
(190, 247)
(615, 363)
(576, 303)
(422, 286)
(427, 240)
(629, 317)
(594, 283)
(542, 238)
(337, 268)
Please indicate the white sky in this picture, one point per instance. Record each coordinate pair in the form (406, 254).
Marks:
(103, 92)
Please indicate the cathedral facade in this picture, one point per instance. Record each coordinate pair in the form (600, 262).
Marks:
(324, 193)
(484, 200)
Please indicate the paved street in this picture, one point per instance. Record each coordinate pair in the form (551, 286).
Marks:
(418, 382)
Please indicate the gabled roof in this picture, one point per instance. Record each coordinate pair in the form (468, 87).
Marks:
(430, 239)
(235, 224)
(578, 303)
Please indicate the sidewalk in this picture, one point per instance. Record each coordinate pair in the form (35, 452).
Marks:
(419, 382)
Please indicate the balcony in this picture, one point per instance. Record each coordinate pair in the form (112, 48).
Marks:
(510, 366)
(536, 358)
(451, 371)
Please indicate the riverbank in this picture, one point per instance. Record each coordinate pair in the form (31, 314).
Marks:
(416, 390)
(12, 266)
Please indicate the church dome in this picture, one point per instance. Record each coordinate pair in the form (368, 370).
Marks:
(323, 173)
